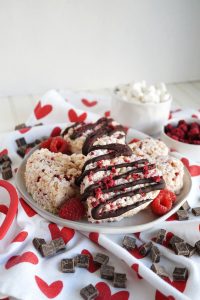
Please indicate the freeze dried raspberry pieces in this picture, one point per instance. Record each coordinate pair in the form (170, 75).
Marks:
(163, 202)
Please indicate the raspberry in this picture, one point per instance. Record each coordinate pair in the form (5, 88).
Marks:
(58, 144)
(72, 209)
(193, 132)
(163, 202)
(46, 143)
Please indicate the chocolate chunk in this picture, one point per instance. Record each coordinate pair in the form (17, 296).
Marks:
(47, 250)
(181, 249)
(191, 250)
(6, 164)
(175, 239)
(129, 243)
(37, 141)
(59, 244)
(119, 280)
(20, 126)
(31, 145)
(82, 261)
(101, 259)
(89, 292)
(161, 236)
(5, 158)
(145, 248)
(197, 246)
(196, 211)
(185, 206)
(159, 270)
(37, 243)
(67, 265)
(182, 215)
(180, 274)
(38, 124)
(107, 272)
(22, 151)
(155, 254)
(21, 142)
(7, 173)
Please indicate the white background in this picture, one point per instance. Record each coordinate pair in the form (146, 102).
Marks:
(96, 43)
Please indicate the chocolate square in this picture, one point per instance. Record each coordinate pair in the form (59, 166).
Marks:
(5, 165)
(5, 158)
(37, 243)
(155, 254)
(159, 270)
(145, 248)
(59, 244)
(82, 261)
(119, 280)
(196, 211)
(89, 292)
(161, 236)
(67, 265)
(197, 246)
(175, 239)
(107, 272)
(180, 274)
(21, 142)
(129, 243)
(20, 126)
(191, 250)
(182, 215)
(185, 206)
(7, 173)
(47, 250)
(101, 259)
(181, 249)
(21, 151)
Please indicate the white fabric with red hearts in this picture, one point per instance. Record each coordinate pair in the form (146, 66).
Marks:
(24, 274)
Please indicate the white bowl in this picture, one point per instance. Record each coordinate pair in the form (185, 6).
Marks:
(190, 150)
(146, 117)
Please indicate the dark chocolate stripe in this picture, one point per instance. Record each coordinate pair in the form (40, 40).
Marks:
(120, 211)
(66, 130)
(138, 170)
(90, 191)
(91, 138)
(80, 130)
(147, 189)
(120, 149)
(106, 168)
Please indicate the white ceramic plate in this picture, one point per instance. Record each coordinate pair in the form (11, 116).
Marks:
(140, 222)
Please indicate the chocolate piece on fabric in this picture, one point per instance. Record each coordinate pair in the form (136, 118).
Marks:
(196, 211)
(159, 270)
(37, 243)
(129, 243)
(47, 250)
(161, 236)
(191, 250)
(181, 249)
(67, 265)
(107, 272)
(59, 244)
(119, 280)
(82, 261)
(89, 292)
(101, 259)
(180, 274)
(175, 239)
(21, 142)
(20, 126)
(185, 206)
(182, 215)
(145, 248)
(7, 173)
(155, 254)
(197, 246)
(5, 158)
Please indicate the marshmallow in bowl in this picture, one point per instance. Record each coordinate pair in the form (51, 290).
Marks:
(142, 93)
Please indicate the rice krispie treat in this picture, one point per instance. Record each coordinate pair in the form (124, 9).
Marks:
(149, 148)
(76, 134)
(116, 183)
(50, 177)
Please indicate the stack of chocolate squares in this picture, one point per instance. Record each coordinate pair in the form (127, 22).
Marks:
(49, 249)
(6, 169)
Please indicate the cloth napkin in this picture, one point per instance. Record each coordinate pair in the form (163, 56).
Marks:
(24, 274)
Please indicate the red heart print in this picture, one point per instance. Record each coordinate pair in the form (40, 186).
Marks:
(28, 257)
(135, 252)
(92, 267)
(20, 237)
(107, 114)
(135, 267)
(56, 131)
(88, 103)
(28, 210)
(179, 285)
(94, 236)
(193, 169)
(169, 235)
(105, 293)
(137, 234)
(24, 130)
(173, 217)
(73, 117)
(66, 233)
(4, 152)
(49, 290)
(3, 209)
(42, 111)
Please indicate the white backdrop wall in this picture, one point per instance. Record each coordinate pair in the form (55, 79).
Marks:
(96, 43)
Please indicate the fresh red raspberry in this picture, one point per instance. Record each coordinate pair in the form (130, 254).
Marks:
(58, 144)
(193, 132)
(163, 202)
(72, 209)
(194, 125)
(46, 143)
(182, 122)
(183, 127)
